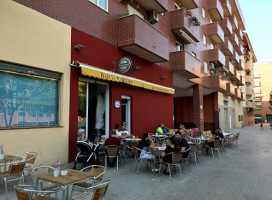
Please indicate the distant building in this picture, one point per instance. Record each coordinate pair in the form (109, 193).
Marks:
(263, 87)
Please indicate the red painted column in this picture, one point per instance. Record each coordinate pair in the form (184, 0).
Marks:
(198, 106)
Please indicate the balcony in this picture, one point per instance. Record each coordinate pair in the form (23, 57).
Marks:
(238, 94)
(211, 82)
(242, 81)
(234, 40)
(214, 56)
(240, 65)
(248, 67)
(234, 22)
(226, 47)
(189, 4)
(239, 34)
(185, 64)
(249, 91)
(215, 32)
(183, 27)
(230, 89)
(215, 9)
(226, 26)
(243, 96)
(158, 5)
(249, 104)
(236, 76)
(249, 79)
(230, 67)
(227, 8)
(234, 58)
(239, 50)
(140, 38)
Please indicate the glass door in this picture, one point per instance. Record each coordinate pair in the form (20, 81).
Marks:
(126, 112)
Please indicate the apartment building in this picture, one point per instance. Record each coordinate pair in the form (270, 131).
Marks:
(132, 62)
(249, 104)
(262, 90)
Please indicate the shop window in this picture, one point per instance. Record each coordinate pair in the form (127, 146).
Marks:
(101, 3)
(28, 99)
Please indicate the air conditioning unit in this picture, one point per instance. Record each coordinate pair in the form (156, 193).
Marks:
(211, 66)
(153, 16)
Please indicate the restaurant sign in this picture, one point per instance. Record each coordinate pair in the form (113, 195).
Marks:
(124, 65)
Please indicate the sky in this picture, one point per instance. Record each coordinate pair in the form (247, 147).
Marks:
(257, 14)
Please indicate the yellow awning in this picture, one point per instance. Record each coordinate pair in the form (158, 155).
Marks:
(95, 72)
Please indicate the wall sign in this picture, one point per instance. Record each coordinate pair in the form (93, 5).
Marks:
(117, 104)
(124, 65)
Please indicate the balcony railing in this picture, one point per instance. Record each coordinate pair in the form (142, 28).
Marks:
(239, 34)
(249, 79)
(183, 26)
(189, 4)
(230, 89)
(227, 47)
(185, 64)
(248, 67)
(227, 8)
(249, 91)
(158, 5)
(230, 67)
(140, 38)
(239, 49)
(234, 22)
(215, 9)
(226, 26)
(249, 104)
(234, 57)
(234, 40)
(212, 82)
(214, 56)
(215, 32)
(240, 65)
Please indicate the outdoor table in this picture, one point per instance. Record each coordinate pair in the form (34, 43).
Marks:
(8, 159)
(227, 134)
(157, 136)
(72, 177)
(132, 139)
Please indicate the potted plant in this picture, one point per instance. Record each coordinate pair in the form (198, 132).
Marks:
(125, 14)
(2, 154)
(195, 21)
(57, 169)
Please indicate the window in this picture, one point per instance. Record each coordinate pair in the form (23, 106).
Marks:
(101, 3)
(204, 40)
(205, 67)
(226, 102)
(27, 100)
(203, 13)
(179, 47)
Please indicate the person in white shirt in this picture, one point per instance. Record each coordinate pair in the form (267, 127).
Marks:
(123, 133)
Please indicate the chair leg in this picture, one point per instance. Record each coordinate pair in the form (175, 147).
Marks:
(218, 153)
(117, 162)
(180, 171)
(106, 162)
(6, 187)
(135, 164)
(139, 166)
(195, 159)
(169, 170)
(212, 152)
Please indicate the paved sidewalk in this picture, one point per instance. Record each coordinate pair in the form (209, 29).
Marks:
(242, 173)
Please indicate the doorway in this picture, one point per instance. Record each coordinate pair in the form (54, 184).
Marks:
(93, 108)
(226, 119)
(126, 112)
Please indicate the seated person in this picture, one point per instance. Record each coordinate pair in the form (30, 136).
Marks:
(195, 130)
(220, 133)
(113, 140)
(166, 155)
(181, 127)
(82, 135)
(145, 144)
(117, 126)
(164, 129)
(123, 133)
(159, 129)
(183, 144)
(210, 142)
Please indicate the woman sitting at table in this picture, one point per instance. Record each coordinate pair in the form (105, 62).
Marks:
(166, 155)
(195, 130)
(210, 142)
(145, 144)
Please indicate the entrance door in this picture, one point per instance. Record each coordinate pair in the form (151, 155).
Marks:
(126, 112)
(93, 108)
(226, 119)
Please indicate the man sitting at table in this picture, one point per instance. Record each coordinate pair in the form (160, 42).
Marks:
(113, 140)
(162, 129)
(183, 144)
(123, 133)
